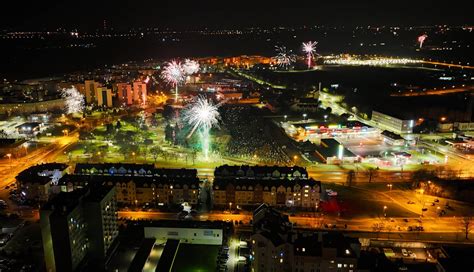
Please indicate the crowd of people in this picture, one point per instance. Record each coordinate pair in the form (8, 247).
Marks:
(250, 137)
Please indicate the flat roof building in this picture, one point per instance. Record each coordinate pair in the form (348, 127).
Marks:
(392, 123)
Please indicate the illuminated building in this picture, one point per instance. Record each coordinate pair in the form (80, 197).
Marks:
(36, 182)
(303, 193)
(79, 227)
(104, 97)
(275, 246)
(139, 93)
(124, 93)
(90, 90)
(392, 123)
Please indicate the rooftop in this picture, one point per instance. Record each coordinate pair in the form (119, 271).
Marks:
(183, 224)
(392, 135)
(63, 203)
(330, 148)
(131, 169)
(32, 174)
(167, 257)
(258, 171)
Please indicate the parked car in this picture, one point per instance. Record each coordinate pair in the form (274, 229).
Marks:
(404, 252)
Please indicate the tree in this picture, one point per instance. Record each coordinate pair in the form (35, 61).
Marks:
(378, 227)
(422, 175)
(328, 110)
(350, 177)
(3, 134)
(467, 225)
(371, 172)
(156, 152)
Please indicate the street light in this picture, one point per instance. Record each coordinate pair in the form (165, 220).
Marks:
(385, 211)
(304, 116)
(230, 206)
(25, 145)
(389, 186)
(9, 155)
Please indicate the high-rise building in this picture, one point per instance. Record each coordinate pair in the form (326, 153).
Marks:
(63, 231)
(90, 90)
(79, 227)
(139, 93)
(124, 93)
(104, 97)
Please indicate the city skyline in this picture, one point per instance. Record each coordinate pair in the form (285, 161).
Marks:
(244, 136)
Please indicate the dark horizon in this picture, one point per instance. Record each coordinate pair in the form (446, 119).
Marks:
(89, 16)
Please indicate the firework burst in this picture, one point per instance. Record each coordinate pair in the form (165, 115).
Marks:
(74, 100)
(190, 66)
(173, 73)
(309, 48)
(202, 114)
(421, 39)
(284, 57)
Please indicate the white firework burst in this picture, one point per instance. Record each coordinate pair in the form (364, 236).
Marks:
(284, 57)
(74, 100)
(190, 66)
(202, 114)
(173, 73)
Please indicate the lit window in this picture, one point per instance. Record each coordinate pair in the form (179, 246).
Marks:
(345, 265)
(304, 249)
(348, 252)
(281, 260)
(339, 265)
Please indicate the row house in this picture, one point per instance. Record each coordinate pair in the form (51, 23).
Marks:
(260, 172)
(281, 192)
(35, 183)
(142, 190)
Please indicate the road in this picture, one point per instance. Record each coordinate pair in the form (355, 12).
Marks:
(9, 169)
(393, 225)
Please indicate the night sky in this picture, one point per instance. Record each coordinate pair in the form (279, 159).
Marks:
(89, 15)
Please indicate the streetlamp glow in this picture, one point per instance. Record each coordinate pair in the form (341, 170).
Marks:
(340, 152)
